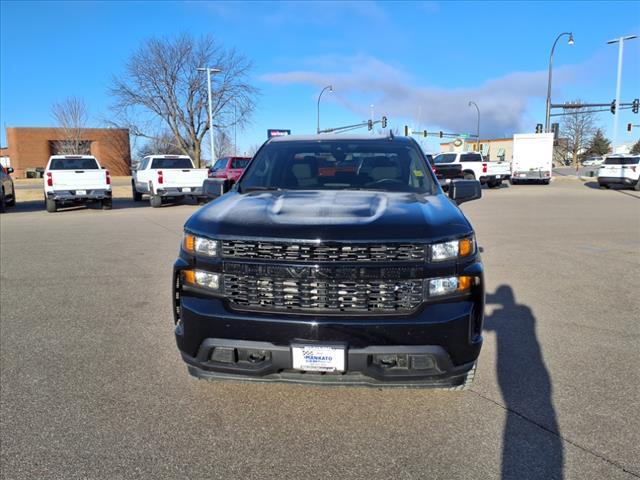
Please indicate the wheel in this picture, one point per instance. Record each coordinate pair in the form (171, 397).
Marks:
(107, 204)
(607, 186)
(513, 181)
(636, 187)
(468, 380)
(155, 201)
(546, 182)
(3, 202)
(469, 176)
(498, 183)
(492, 184)
(137, 197)
(12, 202)
(51, 205)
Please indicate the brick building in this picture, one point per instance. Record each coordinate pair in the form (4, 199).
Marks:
(29, 148)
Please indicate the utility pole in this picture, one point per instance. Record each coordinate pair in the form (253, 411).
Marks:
(209, 71)
(620, 42)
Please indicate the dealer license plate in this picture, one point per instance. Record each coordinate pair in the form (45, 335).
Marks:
(81, 192)
(317, 358)
(186, 189)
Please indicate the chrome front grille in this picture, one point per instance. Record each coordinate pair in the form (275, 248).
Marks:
(323, 295)
(310, 252)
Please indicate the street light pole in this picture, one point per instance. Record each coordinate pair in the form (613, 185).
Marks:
(209, 71)
(330, 88)
(478, 128)
(547, 118)
(620, 42)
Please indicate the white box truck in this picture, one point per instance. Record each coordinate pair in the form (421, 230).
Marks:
(532, 157)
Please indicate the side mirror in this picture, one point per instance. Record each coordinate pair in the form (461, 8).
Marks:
(461, 191)
(10, 170)
(215, 187)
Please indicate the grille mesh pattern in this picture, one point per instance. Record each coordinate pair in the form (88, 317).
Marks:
(328, 295)
(300, 252)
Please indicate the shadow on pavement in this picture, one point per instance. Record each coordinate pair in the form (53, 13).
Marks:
(618, 188)
(532, 447)
(118, 203)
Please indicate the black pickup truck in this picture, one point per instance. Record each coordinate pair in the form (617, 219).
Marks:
(335, 260)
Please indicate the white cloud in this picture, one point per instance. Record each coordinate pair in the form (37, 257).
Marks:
(362, 80)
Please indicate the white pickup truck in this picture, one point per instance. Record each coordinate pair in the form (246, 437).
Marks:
(474, 167)
(74, 180)
(167, 176)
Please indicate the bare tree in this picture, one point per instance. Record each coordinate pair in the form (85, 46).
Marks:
(222, 144)
(162, 143)
(71, 116)
(253, 149)
(161, 81)
(578, 127)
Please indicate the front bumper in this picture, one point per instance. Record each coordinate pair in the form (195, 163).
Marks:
(72, 196)
(433, 347)
(180, 191)
(617, 181)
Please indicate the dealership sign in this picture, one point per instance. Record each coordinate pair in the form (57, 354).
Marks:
(277, 133)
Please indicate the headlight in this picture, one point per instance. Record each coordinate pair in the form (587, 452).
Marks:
(448, 286)
(200, 245)
(200, 278)
(453, 249)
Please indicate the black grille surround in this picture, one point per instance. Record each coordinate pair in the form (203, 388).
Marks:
(319, 252)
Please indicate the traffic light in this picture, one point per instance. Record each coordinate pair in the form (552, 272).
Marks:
(539, 128)
(424, 133)
(370, 124)
(555, 128)
(407, 131)
(629, 127)
(440, 134)
(635, 105)
(613, 107)
(384, 122)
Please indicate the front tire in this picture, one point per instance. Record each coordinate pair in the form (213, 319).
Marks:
(468, 380)
(51, 205)
(3, 202)
(636, 187)
(155, 201)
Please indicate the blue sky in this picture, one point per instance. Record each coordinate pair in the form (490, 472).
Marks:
(417, 62)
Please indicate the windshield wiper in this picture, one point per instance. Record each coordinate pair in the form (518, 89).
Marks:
(261, 189)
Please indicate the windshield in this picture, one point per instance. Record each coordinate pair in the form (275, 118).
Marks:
(221, 164)
(73, 164)
(622, 161)
(445, 158)
(169, 163)
(239, 162)
(339, 165)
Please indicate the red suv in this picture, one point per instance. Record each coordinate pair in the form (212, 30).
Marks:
(229, 167)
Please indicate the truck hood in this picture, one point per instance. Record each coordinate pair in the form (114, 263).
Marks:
(330, 215)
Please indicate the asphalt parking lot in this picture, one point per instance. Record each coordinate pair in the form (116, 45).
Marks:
(92, 385)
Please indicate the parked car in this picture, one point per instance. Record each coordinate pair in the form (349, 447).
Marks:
(620, 169)
(335, 259)
(532, 158)
(7, 189)
(229, 167)
(167, 177)
(592, 161)
(75, 180)
(474, 167)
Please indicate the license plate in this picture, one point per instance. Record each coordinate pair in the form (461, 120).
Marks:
(81, 192)
(316, 358)
(186, 189)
